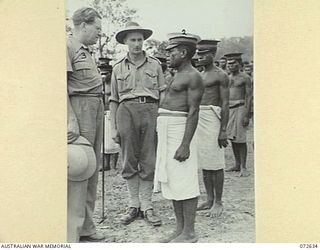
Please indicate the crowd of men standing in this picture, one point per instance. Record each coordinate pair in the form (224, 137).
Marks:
(169, 118)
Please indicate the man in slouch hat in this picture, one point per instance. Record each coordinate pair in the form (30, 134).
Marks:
(136, 83)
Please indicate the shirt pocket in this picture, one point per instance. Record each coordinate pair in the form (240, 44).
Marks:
(150, 79)
(124, 82)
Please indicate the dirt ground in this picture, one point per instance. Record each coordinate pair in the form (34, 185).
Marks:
(236, 224)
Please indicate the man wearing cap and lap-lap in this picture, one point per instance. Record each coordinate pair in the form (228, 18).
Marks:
(212, 125)
(85, 110)
(136, 83)
(176, 174)
(240, 99)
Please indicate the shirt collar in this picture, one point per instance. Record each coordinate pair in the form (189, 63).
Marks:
(78, 45)
(127, 58)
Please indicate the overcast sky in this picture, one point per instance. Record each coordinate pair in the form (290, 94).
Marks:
(206, 18)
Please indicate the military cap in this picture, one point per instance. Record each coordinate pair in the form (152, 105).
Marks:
(207, 45)
(132, 27)
(233, 56)
(183, 38)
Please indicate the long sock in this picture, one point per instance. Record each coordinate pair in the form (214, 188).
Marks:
(133, 188)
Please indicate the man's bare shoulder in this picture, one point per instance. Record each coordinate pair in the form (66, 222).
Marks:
(195, 78)
(244, 76)
(221, 74)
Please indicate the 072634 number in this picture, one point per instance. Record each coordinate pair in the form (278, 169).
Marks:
(308, 245)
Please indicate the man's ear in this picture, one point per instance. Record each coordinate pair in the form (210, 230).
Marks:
(183, 53)
(83, 25)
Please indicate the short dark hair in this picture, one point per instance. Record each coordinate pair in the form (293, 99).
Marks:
(191, 50)
(85, 15)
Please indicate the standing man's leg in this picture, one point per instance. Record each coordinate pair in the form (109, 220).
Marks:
(189, 214)
(149, 113)
(243, 159)
(217, 208)
(89, 112)
(178, 211)
(128, 127)
(77, 191)
(95, 111)
(208, 183)
(134, 202)
(236, 153)
(115, 160)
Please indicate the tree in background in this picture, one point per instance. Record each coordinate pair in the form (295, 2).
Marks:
(114, 13)
(153, 46)
(236, 44)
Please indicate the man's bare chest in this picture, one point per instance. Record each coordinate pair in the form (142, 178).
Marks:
(178, 84)
(237, 82)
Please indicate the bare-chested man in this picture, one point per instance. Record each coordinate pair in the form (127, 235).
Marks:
(239, 104)
(176, 172)
(212, 126)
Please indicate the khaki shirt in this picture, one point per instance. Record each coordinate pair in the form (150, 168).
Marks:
(83, 74)
(130, 81)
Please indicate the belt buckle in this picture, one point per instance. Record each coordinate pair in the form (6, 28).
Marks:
(142, 99)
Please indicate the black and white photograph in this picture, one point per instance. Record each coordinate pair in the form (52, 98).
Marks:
(160, 121)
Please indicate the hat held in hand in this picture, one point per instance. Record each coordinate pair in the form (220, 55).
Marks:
(81, 160)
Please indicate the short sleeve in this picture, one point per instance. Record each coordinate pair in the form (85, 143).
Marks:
(161, 79)
(114, 88)
(69, 59)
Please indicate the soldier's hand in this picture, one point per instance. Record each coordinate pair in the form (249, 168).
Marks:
(222, 139)
(182, 153)
(73, 130)
(115, 135)
(245, 121)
